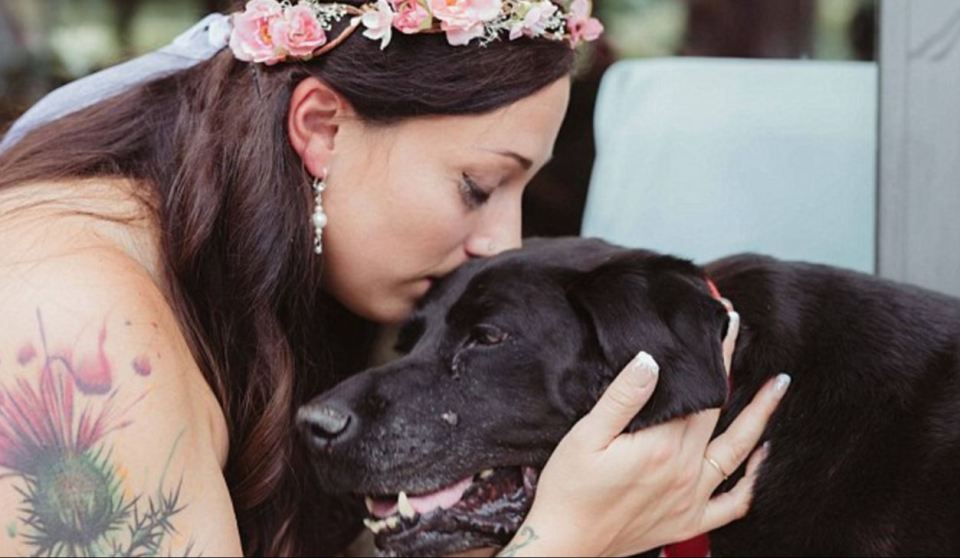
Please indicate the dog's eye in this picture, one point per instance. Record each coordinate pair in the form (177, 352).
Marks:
(487, 335)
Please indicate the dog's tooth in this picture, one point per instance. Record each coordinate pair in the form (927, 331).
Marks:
(369, 502)
(486, 474)
(392, 522)
(374, 526)
(403, 505)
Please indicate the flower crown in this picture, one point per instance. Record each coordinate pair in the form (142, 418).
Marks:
(272, 31)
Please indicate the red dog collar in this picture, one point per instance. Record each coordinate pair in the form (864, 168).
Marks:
(713, 288)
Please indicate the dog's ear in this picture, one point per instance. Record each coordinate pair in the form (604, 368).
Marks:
(662, 305)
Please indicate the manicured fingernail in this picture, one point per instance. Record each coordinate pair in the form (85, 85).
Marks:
(734, 320)
(764, 451)
(781, 384)
(645, 369)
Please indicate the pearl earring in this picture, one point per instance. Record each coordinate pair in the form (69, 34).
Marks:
(319, 217)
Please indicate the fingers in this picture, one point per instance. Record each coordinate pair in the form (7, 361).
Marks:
(726, 304)
(730, 341)
(733, 505)
(700, 429)
(622, 400)
(731, 449)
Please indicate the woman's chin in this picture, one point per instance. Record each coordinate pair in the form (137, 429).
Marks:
(389, 308)
(393, 312)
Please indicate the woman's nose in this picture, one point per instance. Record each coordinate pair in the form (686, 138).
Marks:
(483, 247)
(497, 234)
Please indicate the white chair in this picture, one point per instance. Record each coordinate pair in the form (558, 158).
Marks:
(703, 158)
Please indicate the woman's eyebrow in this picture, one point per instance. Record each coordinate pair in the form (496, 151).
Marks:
(524, 162)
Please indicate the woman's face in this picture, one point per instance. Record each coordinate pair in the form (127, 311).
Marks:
(408, 203)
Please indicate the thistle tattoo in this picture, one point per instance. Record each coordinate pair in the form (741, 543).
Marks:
(72, 501)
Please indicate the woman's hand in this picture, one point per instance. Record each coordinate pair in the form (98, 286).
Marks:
(603, 493)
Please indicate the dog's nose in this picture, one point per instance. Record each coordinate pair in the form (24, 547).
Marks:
(325, 424)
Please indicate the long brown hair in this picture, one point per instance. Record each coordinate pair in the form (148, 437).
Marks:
(231, 200)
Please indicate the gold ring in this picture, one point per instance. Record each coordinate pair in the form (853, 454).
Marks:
(717, 467)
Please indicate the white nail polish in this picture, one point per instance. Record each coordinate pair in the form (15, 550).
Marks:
(782, 383)
(733, 325)
(645, 369)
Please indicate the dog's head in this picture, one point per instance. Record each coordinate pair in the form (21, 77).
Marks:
(500, 360)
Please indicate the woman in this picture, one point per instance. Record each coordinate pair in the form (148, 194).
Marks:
(192, 258)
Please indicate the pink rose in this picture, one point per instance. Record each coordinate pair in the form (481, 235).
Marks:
(581, 26)
(252, 39)
(299, 32)
(412, 16)
(463, 20)
(379, 23)
(536, 20)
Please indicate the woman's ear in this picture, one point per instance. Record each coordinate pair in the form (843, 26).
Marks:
(316, 111)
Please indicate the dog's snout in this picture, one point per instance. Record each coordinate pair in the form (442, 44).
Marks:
(326, 424)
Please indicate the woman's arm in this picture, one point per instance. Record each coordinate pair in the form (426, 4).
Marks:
(110, 441)
(603, 493)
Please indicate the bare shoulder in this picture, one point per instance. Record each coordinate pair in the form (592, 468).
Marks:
(110, 441)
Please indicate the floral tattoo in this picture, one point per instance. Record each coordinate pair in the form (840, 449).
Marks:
(525, 537)
(72, 499)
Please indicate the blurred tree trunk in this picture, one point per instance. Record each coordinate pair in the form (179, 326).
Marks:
(124, 11)
(554, 201)
(210, 6)
(750, 28)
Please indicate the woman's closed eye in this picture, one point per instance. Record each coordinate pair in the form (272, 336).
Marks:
(473, 194)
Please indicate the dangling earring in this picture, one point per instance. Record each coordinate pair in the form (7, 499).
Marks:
(319, 217)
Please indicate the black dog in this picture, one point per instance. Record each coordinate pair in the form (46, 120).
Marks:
(504, 356)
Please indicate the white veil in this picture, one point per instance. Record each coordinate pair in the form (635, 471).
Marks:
(195, 45)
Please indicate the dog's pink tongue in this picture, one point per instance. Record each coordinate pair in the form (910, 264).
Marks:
(383, 508)
(444, 498)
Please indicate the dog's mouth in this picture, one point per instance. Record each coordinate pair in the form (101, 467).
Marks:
(482, 510)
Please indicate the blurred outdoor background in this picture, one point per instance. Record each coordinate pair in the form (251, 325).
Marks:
(45, 43)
